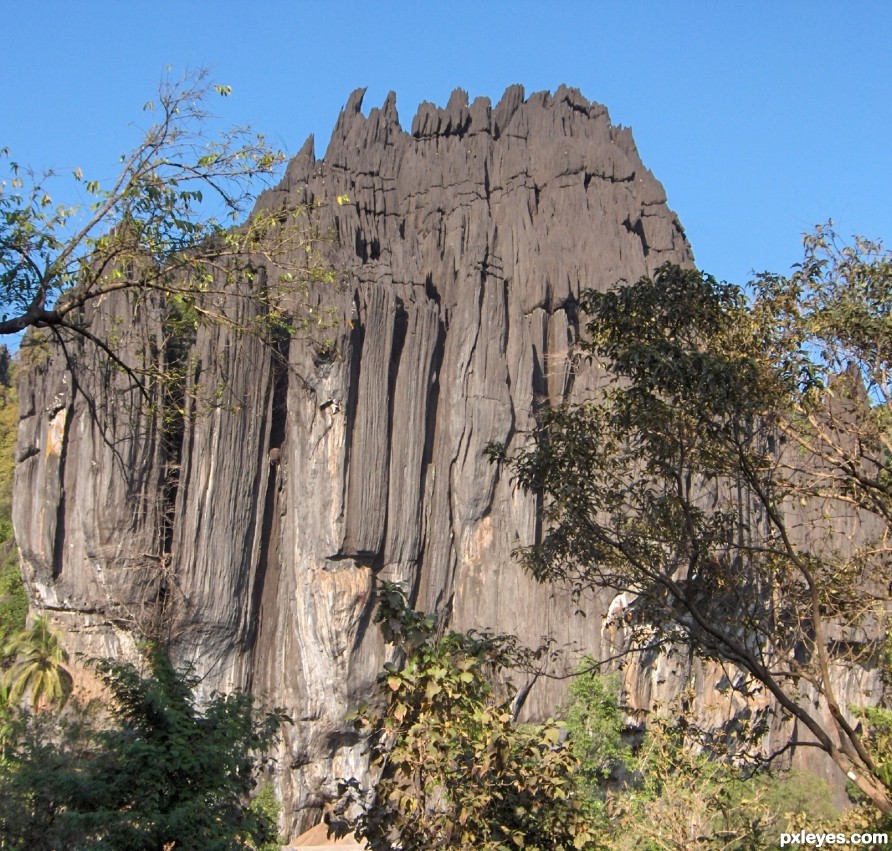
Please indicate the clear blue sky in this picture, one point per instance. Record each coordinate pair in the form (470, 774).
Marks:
(760, 118)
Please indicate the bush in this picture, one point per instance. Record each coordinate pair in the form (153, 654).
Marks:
(666, 792)
(164, 774)
(454, 770)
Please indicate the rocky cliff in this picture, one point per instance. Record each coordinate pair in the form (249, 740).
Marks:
(251, 531)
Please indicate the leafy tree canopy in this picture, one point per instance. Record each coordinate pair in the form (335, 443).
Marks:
(167, 227)
(656, 788)
(165, 774)
(37, 666)
(734, 479)
(13, 599)
(453, 768)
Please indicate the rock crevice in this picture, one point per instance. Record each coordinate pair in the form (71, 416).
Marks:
(463, 245)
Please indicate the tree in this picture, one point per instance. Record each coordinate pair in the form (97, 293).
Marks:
(596, 735)
(13, 599)
(165, 774)
(38, 666)
(658, 789)
(151, 232)
(734, 480)
(453, 768)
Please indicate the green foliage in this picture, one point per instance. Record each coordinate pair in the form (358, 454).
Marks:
(595, 726)
(40, 771)
(164, 774)
(665, 792)
(9, 421)
(863, 818)
(454, 769)
(833, 313)
(56, 258)
(265, 810)
(684, 800)
(13, 599)
(726, 427)
(878, 722)
(162, 233)
(788, 796)
(38, 666)
(595, 722)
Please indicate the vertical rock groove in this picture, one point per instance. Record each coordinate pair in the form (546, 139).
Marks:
(463, 248)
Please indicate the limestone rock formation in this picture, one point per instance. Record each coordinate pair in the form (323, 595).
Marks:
(252, 530)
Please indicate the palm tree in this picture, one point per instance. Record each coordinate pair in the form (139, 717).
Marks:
(7, 720)
(38, 665)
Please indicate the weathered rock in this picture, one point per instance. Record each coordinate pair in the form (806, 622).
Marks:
(253, 532)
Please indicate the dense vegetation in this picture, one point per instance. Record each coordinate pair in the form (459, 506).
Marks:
(728, 424)
(158, 772)
(452, 768)
(13, 600)
(732, 487)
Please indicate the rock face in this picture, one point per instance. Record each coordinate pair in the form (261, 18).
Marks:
(253, 530)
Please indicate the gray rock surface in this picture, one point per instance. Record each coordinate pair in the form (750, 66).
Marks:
(252, 531)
